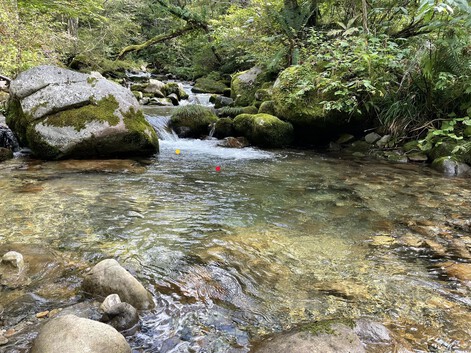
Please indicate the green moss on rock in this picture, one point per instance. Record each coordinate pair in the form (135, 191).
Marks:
(173, 87)
(192, 120)
(209, 85)
(299, 109)
(267, 108)
(264, 130)
(302, 106)
(224, 128)
(232, 112)
(17, 120)
(102, 111)
(145, 135)
(245, 84)
(5, 153)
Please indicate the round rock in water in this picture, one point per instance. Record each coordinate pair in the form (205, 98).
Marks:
(109, 302)
(14, 259)
(72, 334)
(329, 338)
(108, 277)
(122, 316)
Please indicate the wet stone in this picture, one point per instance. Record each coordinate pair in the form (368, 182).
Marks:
(122, 316)
(3, 340)
(372, 137)
(14, 259)
(109, 302)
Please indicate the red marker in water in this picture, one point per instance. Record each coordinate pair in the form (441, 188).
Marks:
(218, 168)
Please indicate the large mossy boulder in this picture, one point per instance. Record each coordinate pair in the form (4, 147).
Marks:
(209, 85)
(224, 128)
(61, 114)
(264, 130)
(192, 121)
(303, 107)
(245, 84)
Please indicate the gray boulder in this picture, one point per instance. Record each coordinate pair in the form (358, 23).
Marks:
(333, 338)
(108, 277)
(245, 84)
(60, 113)
(452, 167)
(72, 334)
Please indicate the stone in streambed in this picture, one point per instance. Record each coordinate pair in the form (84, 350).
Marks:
(122, 316)
(108, 277)
(316, 338)
(331, 336)
(13, 259)
(72, 334)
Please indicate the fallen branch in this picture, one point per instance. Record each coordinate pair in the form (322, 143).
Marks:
(155, 40)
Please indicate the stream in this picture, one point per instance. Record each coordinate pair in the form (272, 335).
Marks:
(272, 240)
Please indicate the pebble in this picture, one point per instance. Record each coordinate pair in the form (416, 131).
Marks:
(42, 314)
(14, 259)
(109, 302)
(3, 340)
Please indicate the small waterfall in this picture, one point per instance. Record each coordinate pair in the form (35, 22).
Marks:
(213, 128)
(196, 98)
(160, 124)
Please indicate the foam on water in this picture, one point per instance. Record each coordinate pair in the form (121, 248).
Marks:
(209, 149)
(199, 149)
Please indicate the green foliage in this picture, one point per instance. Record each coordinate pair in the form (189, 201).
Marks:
(351, 72)
(451, 130)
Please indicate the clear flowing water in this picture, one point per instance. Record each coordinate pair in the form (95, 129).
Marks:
(272, 240)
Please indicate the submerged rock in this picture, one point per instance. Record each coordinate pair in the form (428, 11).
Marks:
(14, 259)
(360, 336)
(61, 114)
(317, 338)
(108, 277)
(72, 334)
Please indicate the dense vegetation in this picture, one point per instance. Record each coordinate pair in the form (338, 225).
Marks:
(403, 65)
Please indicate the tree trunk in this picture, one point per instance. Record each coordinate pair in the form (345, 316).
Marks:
(364, 16)
(193, 21)
(157, 39)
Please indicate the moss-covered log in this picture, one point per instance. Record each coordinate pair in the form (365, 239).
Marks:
(157, 39)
